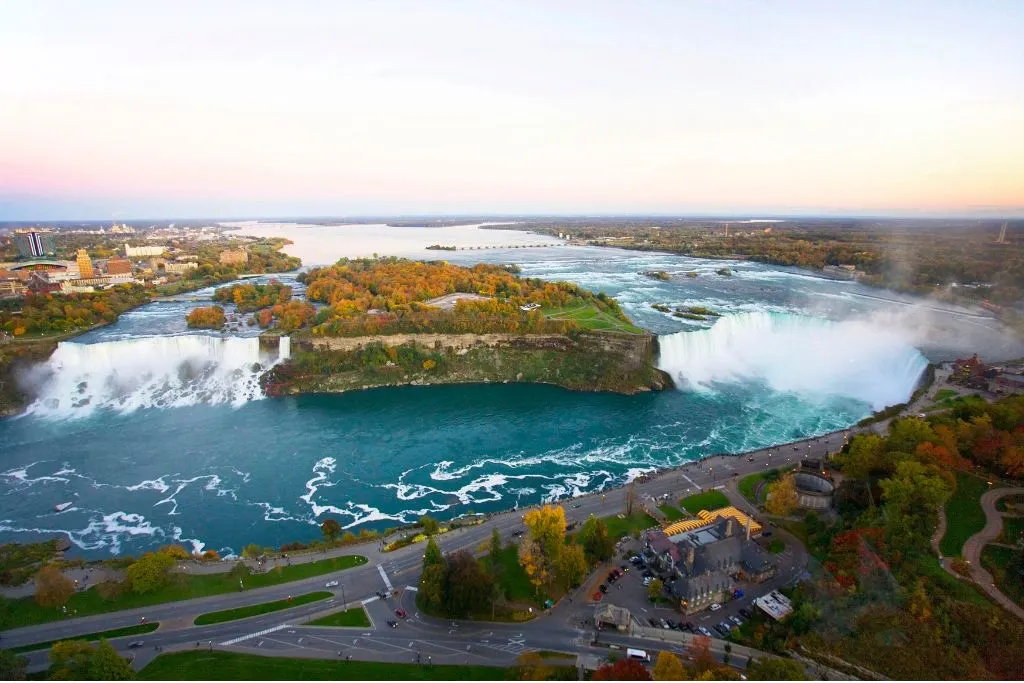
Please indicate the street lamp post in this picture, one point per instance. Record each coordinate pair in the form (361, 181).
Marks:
(344, 601)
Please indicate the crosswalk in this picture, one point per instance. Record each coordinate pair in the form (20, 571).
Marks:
(264, 632)
(384, 575)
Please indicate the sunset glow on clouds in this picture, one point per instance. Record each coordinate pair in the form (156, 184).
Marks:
(249, 108)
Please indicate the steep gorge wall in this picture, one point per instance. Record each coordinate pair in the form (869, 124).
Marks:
(584, 362)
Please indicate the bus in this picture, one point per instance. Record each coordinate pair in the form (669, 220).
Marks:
(639, 655)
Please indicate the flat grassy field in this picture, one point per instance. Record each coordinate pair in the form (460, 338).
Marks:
(512, 578)
(231, 666)
(709, 500)
(262, 608)
(25, 611)
(964, 516)
(353, 617)
(627, 526)
(114, 633)
(671, 512)
(748, 485)
(995, 559)
(590, 317)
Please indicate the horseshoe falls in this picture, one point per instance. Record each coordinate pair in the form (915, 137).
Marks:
(797, 354)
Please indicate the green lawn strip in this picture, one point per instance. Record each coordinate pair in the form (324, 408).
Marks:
(115, 633)
(262, 608)
(776, 546)
(671, 512)
(230, 666)
(555, 654)
(1013, 530)
(964, 516)
(512, 578)
(995, 559)
(26, 612)
(709, 500)
(590, 317)
(355, 617)
(627, 526)
(748, 486)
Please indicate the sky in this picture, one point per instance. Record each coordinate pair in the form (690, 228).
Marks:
(113, 109)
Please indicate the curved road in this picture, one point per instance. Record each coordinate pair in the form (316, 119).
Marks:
(976, 543)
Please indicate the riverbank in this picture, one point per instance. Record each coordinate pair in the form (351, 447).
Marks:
(593, 361)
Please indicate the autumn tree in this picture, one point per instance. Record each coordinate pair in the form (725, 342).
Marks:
(782, 496)
(252, 551)
(532, 560)
(547, 527)
(572, 564)
(530, 666)
(622, 670)
(430, 525)
(330, 528)
(432, 555)
(77, 660)
(668, 668)
(596, 540)
(654, 590)
(175, 551)
(206, 318)
(53, 589)
(494, 553)
(776, 669)
(150, 572)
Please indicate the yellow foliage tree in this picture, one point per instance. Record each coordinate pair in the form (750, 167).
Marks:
(532, 561)
(668, 668)
(782, 496)
(547, 528)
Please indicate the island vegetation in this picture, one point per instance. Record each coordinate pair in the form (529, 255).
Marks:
(442, 247)
(55, 314)
(206, 318)
(248, 297)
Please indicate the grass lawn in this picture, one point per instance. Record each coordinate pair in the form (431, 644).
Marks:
(1013, 529)
(776, 546)
(512, 578)
(671, 512)
(709, 500)
(25, 611)
(231, 666)
(115, 633)
(262, 608)
(943, 394)
(627, 526)
(995, 559)
(590, 317)
(964, 516)
(555, 654)
(748, 484)
(356, 616)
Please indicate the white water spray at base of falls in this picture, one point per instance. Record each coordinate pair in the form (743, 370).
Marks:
(796, 354)
(148, 372)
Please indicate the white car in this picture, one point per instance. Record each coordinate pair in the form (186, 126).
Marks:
(715, 607)
(331, 584)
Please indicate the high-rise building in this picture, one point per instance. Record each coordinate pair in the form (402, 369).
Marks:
(84, 264)
(35, 243)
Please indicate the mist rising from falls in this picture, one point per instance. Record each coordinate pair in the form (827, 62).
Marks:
(858, 359)
(148, 372)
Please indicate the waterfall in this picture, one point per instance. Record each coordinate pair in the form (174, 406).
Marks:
(859, 359)
(147, 372)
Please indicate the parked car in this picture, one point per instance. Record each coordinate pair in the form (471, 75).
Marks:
(653, 622)
(664, 624)
(736, 620)
(690, 627)
(401, 613)
(603, 588)
(722, 630)
(704, 631)
(577, 505)
(612, 578)
(624, 568)
(647, 580)
(671, 623)
(714, 607)
(135, 644)
(648, 574)
(518, 532)
(331, 584)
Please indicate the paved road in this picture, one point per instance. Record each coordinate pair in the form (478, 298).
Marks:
(401, 567)
(976, 543)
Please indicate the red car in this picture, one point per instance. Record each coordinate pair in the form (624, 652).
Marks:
(401, 613)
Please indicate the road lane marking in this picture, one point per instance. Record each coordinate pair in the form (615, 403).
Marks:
(367, 601)
(254, 635)
(387, 581)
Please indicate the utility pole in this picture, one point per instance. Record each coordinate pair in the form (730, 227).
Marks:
(344, 600)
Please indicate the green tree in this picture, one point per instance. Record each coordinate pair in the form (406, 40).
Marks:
(12, 666)
(433, 581)
(69, 660)
(53, 589)
(912, 499)
(596, 541)
(252, 551)
(106, 665)
(772, 669)
(654, 589)
(905, 435)
(494, 554)
(863, 456)
(668, 667)
(150, 572)
(330, 528)
(469, 587)
(430, 525)
(572, 564)
(432, 556)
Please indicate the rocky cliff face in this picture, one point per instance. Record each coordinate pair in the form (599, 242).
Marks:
(584, 362)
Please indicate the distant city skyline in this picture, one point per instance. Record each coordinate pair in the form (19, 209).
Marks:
(119, 110)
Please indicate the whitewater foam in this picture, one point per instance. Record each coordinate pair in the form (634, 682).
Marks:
(810, 357)
(148, 372)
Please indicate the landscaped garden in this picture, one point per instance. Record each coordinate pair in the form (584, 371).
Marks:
(964, 516)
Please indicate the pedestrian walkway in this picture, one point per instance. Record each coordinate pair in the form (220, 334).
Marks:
(976, 543)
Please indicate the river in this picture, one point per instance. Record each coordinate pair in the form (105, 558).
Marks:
(159, 435)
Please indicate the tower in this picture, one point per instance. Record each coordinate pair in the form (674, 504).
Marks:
(1002, 234)
(84, 264)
